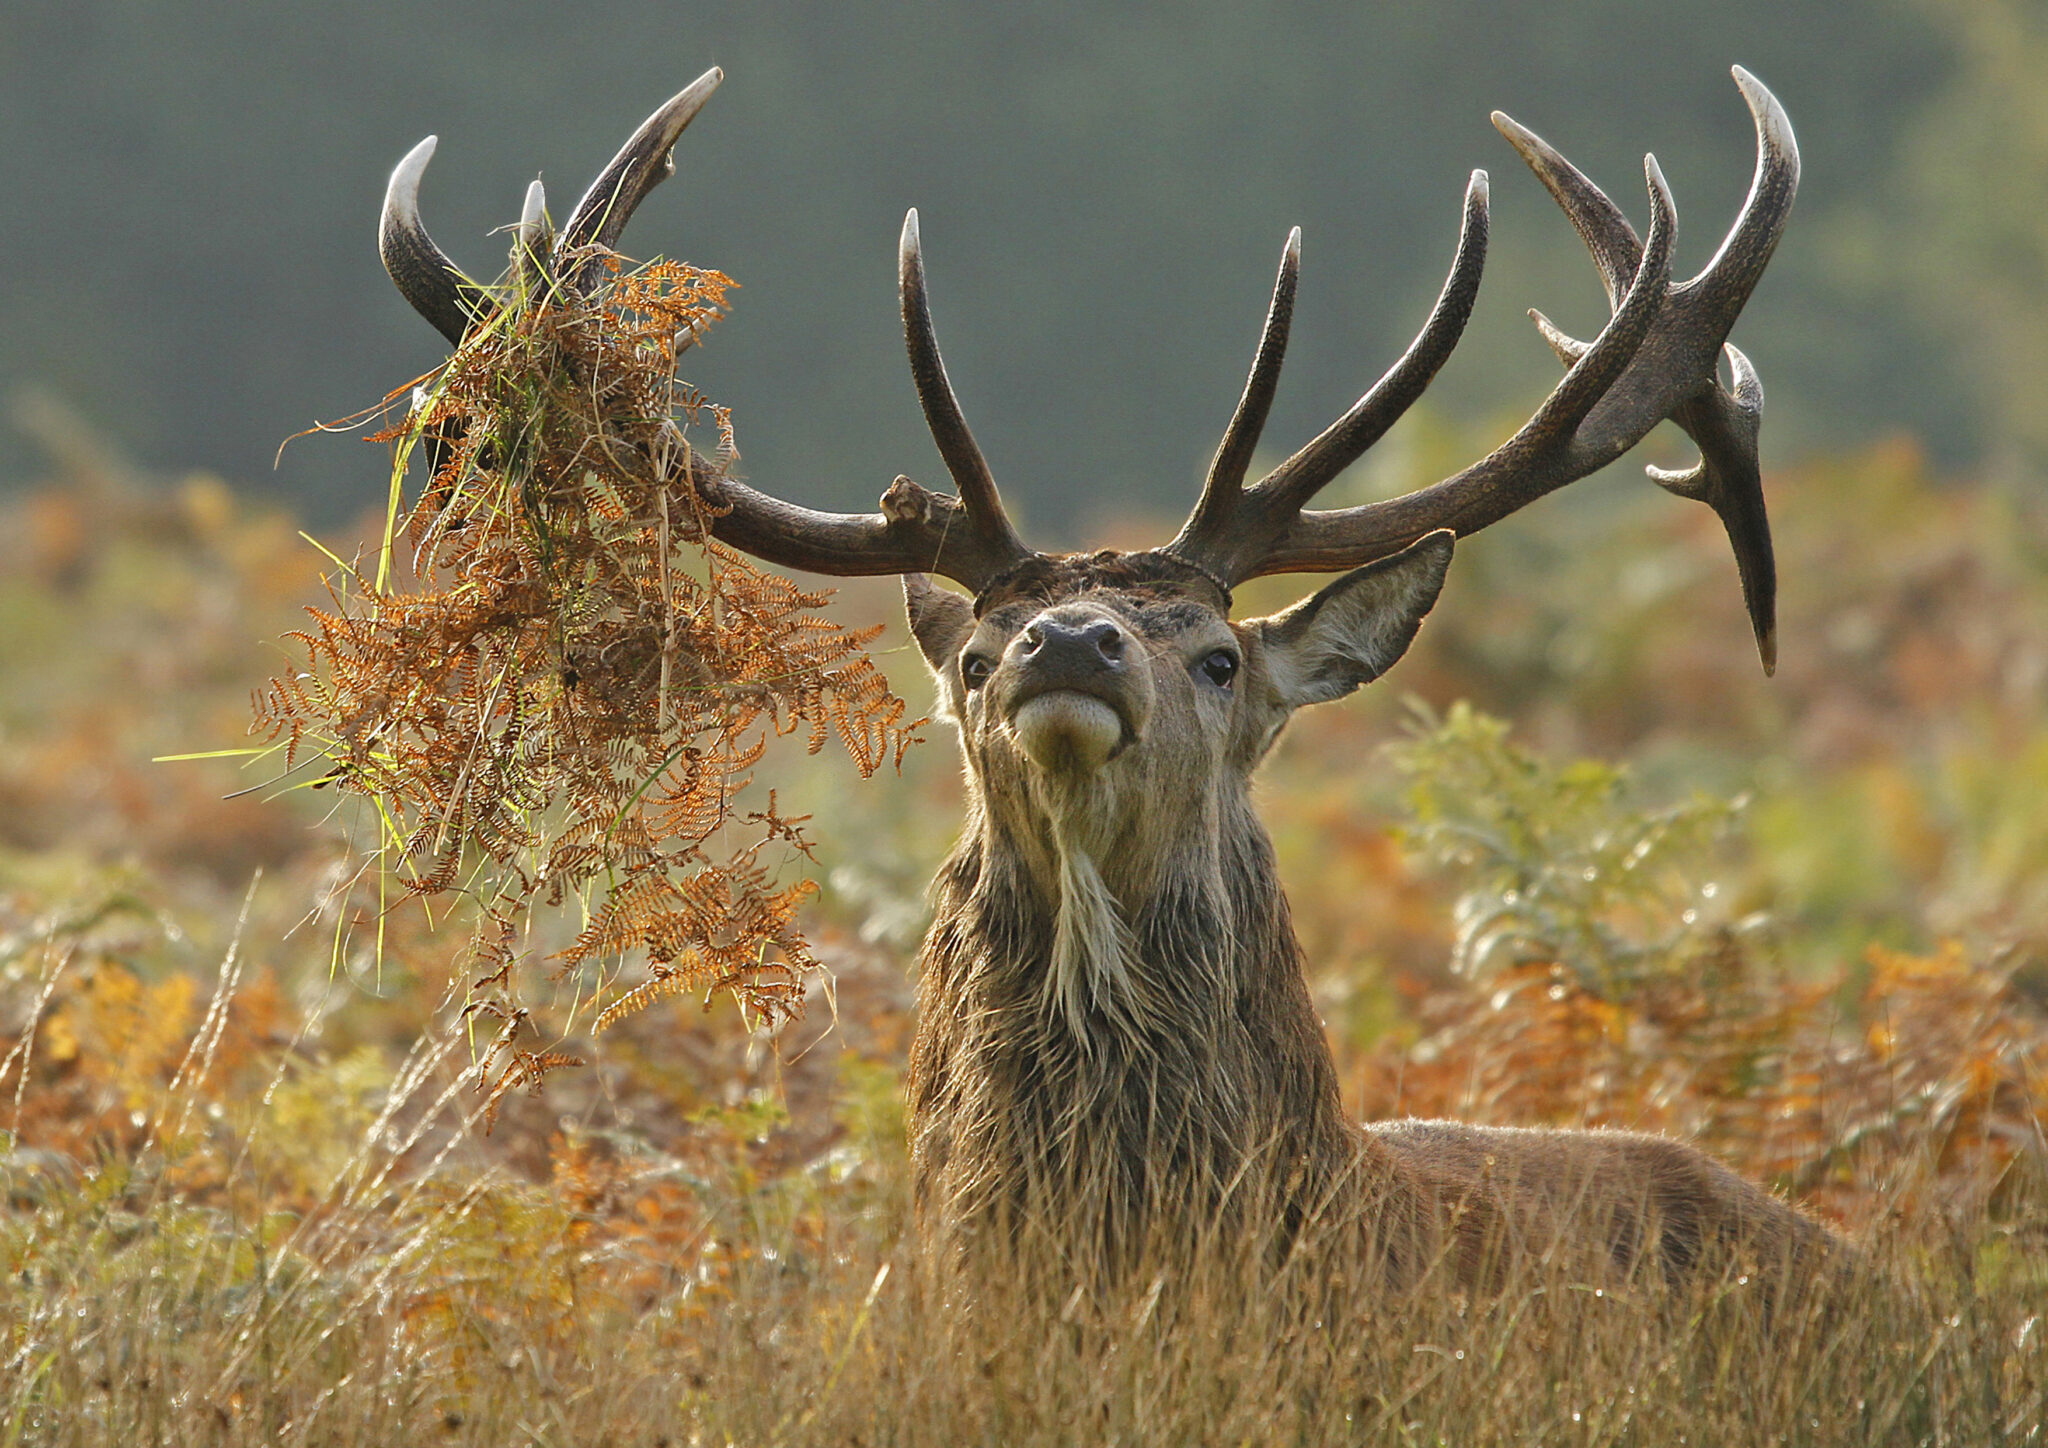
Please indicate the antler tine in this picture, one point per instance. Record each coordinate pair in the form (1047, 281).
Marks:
(1541, 456)
(425, 276)
(437, 288)
(1514, 473)
(532, 245)
(968, 540)
(1344, 441)
(1217, 507)
(1616, 249)
(1723, 424)
(970, 470)
(1592, 377)
(1656, 359)
(1726, 282)
(1231, 549)
(916, 531)
(1735, 268)
(1729, 478)
(642, 164)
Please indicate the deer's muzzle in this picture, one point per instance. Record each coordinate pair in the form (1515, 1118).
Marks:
(1076, 695)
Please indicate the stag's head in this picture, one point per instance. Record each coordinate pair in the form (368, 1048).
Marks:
(1108, 703)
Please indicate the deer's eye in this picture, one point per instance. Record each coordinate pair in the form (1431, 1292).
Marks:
(1220, 668)
(975, 669)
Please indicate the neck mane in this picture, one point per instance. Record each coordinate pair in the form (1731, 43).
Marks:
(1107, 1042)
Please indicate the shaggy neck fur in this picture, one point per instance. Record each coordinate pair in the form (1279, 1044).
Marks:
(1099, 1054)
(1094, 971)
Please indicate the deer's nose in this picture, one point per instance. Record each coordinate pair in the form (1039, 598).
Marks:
(1096, 644)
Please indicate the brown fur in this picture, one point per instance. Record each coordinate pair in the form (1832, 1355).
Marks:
(1180, 1083)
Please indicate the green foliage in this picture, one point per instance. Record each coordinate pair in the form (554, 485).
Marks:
(318, 1112)
(1559, 863)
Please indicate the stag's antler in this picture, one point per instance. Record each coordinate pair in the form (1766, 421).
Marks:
(1657, 358)
(436, 286)
(968, 539)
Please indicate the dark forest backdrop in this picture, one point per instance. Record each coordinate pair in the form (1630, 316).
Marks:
(192, 194)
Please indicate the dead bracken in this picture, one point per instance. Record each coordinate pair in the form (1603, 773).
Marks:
(569, 696)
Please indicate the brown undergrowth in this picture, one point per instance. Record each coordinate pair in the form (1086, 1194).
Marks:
(343, 1266)
(245, 1196)
(1600, 981)
(219, 1231)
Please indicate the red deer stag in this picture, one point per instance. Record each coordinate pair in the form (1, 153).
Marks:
(1114, 1039)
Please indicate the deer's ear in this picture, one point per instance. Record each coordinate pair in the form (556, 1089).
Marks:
(940, 621)
(1353, 630)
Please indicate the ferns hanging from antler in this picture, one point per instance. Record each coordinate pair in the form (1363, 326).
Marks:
(569, 700)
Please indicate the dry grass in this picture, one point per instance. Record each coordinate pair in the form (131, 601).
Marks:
(218, 1232)
(247, 1197)
(437, 1305)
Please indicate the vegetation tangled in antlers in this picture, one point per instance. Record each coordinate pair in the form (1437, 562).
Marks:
(568, 702)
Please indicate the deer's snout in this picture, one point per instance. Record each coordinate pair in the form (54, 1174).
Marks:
(1076, 691)
(1082, 651)
(1090, 647)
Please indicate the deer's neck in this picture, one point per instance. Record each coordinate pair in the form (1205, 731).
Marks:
(1113, 1029)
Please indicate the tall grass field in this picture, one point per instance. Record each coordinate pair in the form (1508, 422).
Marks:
(265, 1180)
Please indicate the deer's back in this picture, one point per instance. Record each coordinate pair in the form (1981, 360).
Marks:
(1644, 1204)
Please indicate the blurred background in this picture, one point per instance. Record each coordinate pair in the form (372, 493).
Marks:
(193, 191)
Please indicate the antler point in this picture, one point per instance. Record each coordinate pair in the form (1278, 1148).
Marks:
(1753, 90)
(405, 176)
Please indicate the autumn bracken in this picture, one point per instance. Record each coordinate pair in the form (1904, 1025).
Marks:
(568, 703)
